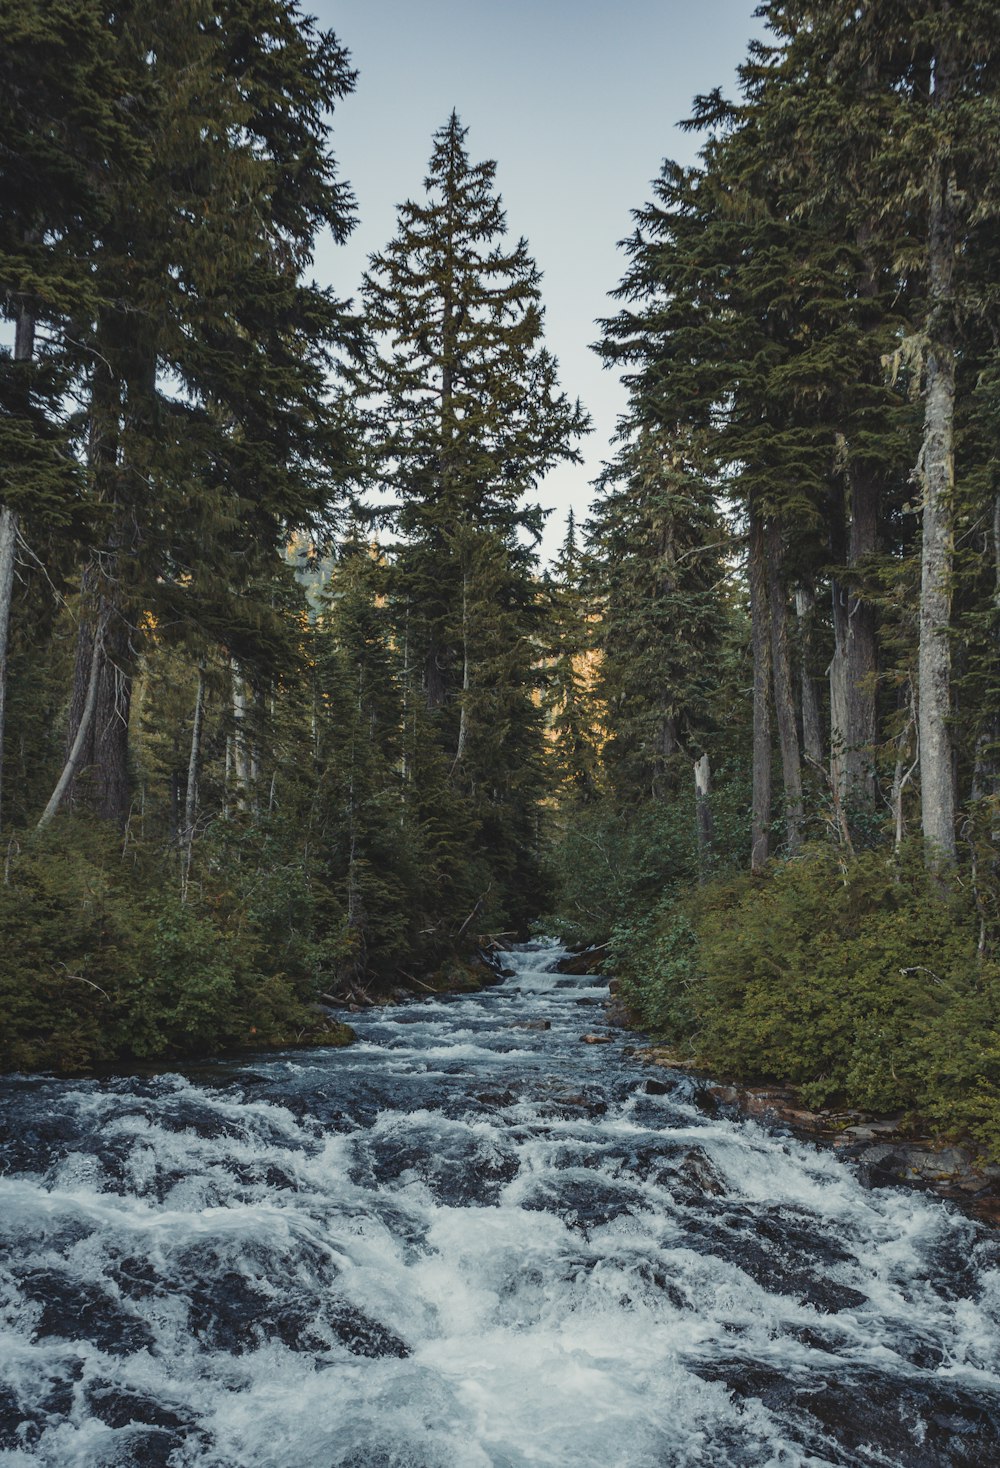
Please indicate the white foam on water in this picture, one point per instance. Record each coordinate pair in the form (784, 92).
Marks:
(463, 1243)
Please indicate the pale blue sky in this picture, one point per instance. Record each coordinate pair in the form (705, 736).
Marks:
(577, 100)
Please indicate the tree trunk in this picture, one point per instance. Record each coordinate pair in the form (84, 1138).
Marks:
(105, 745)
(83, 733)
(191, 793)
(935, 474)
(902, 773)
(812, 728)
(241, 757)
(434, 676)
(862, 648)
(784, 697)
(703, 812)
(761, 643)
(854, 667)
(24, 350)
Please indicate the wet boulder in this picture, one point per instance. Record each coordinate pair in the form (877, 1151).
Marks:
(74, 1309)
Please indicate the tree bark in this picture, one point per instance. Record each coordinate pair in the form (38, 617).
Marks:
(784, 698)
(854, 667)
(703, 812)
(83, 734)
(812, 728)
(760, 836)
(105, 745)
(241, 759)
(191, 793)
(24, 350)
(935, 474)
(862, 648)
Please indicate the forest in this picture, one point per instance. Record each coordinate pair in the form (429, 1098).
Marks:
(290, 710)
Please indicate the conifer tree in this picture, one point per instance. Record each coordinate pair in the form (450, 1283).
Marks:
(570, 701)
(199, 270)
(65, 123)
(657, 544)
(465, 416)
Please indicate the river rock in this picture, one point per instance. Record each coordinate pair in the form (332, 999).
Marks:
(586, 961)
(597, 1039)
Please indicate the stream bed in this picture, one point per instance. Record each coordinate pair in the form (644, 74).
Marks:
(471, 1241)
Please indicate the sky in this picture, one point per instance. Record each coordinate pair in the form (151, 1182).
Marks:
(577, 101)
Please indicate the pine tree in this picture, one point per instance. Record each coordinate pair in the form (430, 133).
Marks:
(466, 416)
(199, 271)
(569, 702)
(64, 122)
(657, 543)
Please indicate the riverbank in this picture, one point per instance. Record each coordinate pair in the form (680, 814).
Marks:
(889, 1151)
(895, 1150)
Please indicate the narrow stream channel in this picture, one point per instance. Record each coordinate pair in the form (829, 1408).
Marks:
(476, 1242)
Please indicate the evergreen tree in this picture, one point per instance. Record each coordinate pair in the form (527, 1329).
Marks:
(466, 416)
(199, 273)
(570, 701)
(658, 545)
(65, 122)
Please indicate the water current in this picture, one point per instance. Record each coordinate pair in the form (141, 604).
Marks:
(471, 1240)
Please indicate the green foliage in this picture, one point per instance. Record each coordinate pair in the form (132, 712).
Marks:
(465, 417)
(859, 982)
(104, 961)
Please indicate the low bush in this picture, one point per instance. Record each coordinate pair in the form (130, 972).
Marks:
(859, 982)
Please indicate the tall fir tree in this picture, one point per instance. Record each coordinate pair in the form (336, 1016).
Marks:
(466, 416)
(199, 268)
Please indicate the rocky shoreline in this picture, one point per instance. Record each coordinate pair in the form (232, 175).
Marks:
(888, 1151)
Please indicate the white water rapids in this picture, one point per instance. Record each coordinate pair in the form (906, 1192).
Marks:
(471, 1241)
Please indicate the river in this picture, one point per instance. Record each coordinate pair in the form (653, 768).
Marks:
(470, 1240)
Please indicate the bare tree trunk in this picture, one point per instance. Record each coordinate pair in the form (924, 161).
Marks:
(24, 350)
(761, 643)
(784, 698)
(936, 476)
(902, 773)
(862, 647)
(703, 812)
(191, 793)
(839, 711)
(241, 758)
(812, 728)
(105, 745)
(83, 731)
(853, 669)
(8, 548)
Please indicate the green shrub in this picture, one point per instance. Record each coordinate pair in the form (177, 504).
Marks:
(859, 982)
(103, 961)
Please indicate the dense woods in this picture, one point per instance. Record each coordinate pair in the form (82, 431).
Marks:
(792, 576)
(289, 708)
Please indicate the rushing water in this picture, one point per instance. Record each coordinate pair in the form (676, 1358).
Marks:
(471, 1241)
